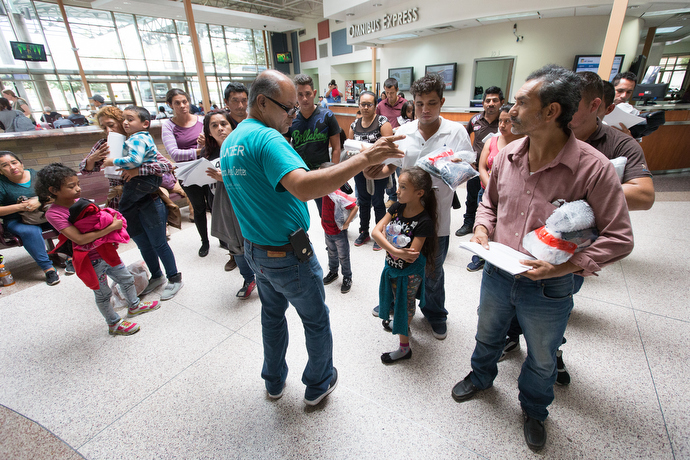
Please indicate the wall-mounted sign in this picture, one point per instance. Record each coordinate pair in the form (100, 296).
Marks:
(388, 21)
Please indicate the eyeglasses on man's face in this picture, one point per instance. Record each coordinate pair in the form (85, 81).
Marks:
(289, 110)
(366, 105)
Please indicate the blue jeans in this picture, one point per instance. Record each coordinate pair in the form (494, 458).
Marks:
(121, 276)
(480, 195)
(245, 269)
(281, 280)
(435, 290)
(542, 308)
(365, 201)
(339, 251)
(149, 225)
(32, 239)
(515, 331)
(135, 190)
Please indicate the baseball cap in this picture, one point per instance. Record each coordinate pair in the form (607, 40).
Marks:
(98, 98)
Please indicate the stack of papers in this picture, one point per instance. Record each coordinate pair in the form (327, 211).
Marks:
(116, 143)
(194, 172)
(500, 255)
(621, 116)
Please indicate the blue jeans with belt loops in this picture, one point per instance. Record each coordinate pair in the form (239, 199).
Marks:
(283, 280)
(542, 308)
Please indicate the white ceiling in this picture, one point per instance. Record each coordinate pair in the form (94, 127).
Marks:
(465, 15)
(284, 15)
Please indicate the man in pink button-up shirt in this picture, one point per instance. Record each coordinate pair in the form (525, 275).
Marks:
(528, 178)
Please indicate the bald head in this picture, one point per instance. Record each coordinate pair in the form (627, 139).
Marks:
(269, 83)
(273, 100)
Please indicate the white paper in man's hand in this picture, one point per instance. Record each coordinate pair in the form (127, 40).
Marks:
(194, 172)
(621, 116)
(500, 255)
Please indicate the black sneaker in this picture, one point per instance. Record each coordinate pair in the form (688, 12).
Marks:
(52, 277)
(563, 377)
(466, 229)
(331, 387)
(345, 287)
(69, 267)
(476, 264)
(328, 279)
(439, 330)
(512, 344)
(362, 239)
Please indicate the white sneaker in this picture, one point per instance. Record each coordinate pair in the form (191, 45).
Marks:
(153, 284)
(171, 289)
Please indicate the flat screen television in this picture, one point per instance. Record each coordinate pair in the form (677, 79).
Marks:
(28, 51)
(284, 58)
(590, 63)
(447, 71)
(647, 93)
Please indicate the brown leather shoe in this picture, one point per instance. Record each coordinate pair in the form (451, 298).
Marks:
(231, 265)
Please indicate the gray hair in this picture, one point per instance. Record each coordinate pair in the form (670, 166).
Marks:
(267, 84)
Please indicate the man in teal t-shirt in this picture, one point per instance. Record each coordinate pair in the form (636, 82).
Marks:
(269, 185)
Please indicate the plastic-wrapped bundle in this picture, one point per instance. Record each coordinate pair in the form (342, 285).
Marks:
(569, 229)
(439, 163)
(141, 280)
(340, 211)
(619, 164)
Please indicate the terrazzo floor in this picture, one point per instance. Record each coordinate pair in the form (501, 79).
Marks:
(188, 386)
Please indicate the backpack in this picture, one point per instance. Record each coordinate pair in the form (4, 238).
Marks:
(22, 123)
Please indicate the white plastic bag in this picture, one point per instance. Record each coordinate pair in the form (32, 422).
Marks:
(340, 211)
(619, 164)
(569, 229)
(141, 280)
(439, 163)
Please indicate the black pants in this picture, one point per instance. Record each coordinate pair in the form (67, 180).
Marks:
(201, 198)
(473, 187)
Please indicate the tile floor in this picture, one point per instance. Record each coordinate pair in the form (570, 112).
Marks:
(188, 385)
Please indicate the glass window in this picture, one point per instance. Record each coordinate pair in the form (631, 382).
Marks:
(122, 93)
(129, 37)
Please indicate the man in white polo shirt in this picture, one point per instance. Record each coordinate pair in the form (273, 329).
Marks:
(430, 132)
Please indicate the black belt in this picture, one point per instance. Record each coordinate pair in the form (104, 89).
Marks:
(283, 248)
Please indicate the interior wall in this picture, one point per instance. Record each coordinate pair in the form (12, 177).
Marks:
(556, 40)
(545, 41)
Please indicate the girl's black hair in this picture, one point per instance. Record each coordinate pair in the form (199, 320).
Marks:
(403, 110)
(421, 180)
(53, 175)
(211, 147)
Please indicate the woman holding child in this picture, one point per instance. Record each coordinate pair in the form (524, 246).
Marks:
(183, 139)
(146, 227)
